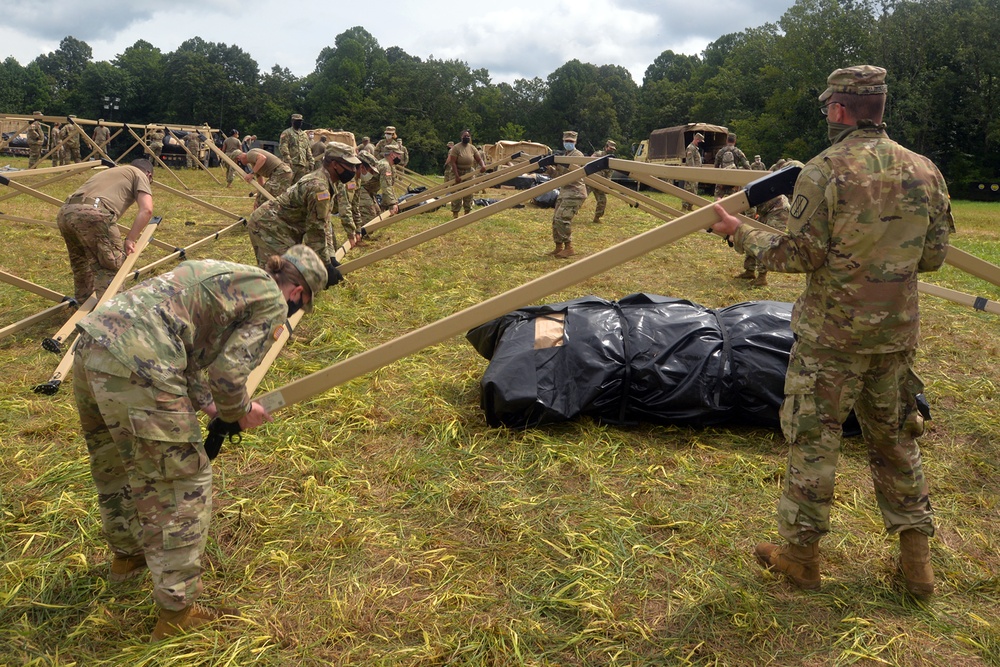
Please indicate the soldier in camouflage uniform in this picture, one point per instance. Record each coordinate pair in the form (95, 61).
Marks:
(601, 198)
(87, 224)
(58, 152)
(154, 138)
(70, 136)
(302, 213)
(692, 158)
(388, 137)
(146, 361)
(856, 324)
(273, 175)
(570, 199)
(232, 143)
(192, 142)
(757, 164)
(729, 157)
(293, 144)
(376, 176)
(318, 149)
(36, 139)
(101, 134)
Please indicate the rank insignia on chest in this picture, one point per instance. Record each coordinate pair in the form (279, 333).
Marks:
(322, 196)
(278, 331)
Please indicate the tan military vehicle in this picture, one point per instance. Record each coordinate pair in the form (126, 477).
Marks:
(668, 145)
(502, 151)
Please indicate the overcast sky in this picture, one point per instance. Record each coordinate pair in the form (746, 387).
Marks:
(512, 40)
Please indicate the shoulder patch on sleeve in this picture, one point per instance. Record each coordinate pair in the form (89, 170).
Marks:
(321, 196)
(799, 206)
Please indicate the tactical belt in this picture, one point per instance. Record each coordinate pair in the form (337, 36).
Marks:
(80, 200)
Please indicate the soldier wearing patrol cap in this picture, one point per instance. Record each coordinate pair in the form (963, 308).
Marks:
(270, 171)
(570, 199)
(301, 214)
(293, 145)
(600, 198)
(376, 176)
(462, 159)
(692, 159)
(867, 216)
(147, 361)
(388, 137)
(758, 164)
(36, 139)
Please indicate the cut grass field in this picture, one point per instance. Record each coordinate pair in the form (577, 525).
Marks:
(384, 523)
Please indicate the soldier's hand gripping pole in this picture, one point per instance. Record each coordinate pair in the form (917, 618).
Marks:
(756, 193)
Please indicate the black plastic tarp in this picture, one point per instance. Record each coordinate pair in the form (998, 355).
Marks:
(645, 358)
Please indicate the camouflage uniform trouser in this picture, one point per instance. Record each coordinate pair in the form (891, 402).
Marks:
(566, 208)
(230, 174)
(94, 245)
(276, 184)
(58, 157)
(153, 478)
(73, 154)
(466, 201)
(300, 170)
(821, 387)
(34, 154)
(692, 187)
(192, 157)
(156, 148)
(601, 200)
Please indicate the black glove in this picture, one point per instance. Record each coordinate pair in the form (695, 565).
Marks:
(218, 431)
(333, 274)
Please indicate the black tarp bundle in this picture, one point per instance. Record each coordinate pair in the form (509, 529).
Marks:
(645, 358)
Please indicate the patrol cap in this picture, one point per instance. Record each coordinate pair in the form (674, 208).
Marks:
(235, 153)
(756, 157)
(392, 148)
(699, 135)
(309, 264)
(731, 138)
(36, 113)
(335, 149)
(296, 116)
(569, 135)
(365, 138)
(367, 159)
(100, 120)
(390, 129)
(611, 142)
(855, 80)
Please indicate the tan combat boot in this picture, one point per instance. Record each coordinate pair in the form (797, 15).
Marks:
(746, 275)
(567, 251)
(124, 567)
(559, 247)
(597, 218)
(799, 564)
(760, 280)
(193, 616)
(454, 215)
(915, 563)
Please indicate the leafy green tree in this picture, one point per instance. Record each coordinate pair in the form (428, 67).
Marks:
(64, 69)
(143, 67)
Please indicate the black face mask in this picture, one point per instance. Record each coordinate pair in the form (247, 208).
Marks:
(294, 307)
(397, 160)
(297, 124)
(466, 140)
(345, 175)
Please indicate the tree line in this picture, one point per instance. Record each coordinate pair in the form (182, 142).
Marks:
(942, 58)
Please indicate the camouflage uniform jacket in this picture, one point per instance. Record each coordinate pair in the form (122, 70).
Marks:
(192, 142)
(155, 136)
(693, 156)
(606, 173)
(197, 331)
(294, 148)
(866, 216)
(70, 136)
(575, 189)
(305, 208)
(384, 178)
(739, 159)
(36, 135)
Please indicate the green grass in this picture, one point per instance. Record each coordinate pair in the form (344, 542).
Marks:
(383, 523)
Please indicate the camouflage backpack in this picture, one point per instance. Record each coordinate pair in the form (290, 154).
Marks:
(728, 160)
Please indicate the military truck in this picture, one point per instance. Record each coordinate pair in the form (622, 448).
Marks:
(668, 145)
